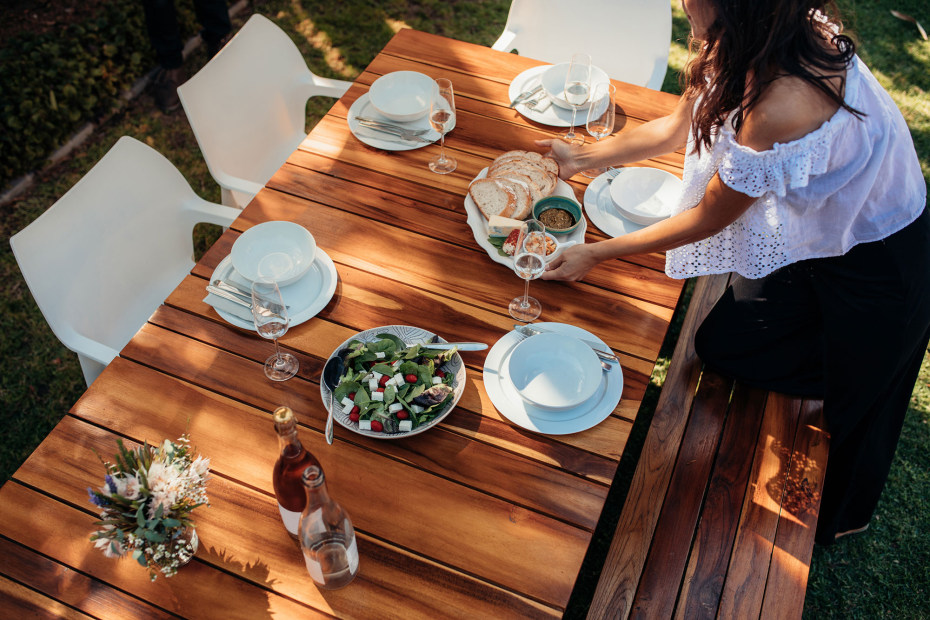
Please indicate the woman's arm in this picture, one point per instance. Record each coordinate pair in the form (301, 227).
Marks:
(657, 137)
(720, 207)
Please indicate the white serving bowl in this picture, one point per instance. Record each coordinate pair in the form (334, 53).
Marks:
(279, 251)
(554, 371)
(553, 82)
(402, 96)
(645, 195)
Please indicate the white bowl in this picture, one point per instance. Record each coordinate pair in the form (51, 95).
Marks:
(279, 251)
(554, 371)
(645, 195)
(402, 95)
(553, 82)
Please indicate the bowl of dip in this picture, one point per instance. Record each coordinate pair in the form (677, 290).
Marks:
(559, 214)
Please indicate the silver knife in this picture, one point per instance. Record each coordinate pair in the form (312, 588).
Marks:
(525, 95)
(228, 296)
(374, 121)
(532, 330)
(398, 132)
(235, 290)
(461, 346)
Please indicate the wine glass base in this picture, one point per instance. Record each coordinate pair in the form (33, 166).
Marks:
(593, 173)
(443, 166)
(281, 369)
(573, 137)
(525, 309)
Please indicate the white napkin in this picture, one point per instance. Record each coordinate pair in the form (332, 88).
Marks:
(221, 303)
(543, 104)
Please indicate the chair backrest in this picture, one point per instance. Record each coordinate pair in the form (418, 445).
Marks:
(247, 105)
(103, 257)
(629, 39)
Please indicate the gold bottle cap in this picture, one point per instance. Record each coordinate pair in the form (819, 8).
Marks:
(283, 414)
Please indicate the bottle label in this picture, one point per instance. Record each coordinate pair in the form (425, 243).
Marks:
(314, 568)
(291, 519)
(352, 556)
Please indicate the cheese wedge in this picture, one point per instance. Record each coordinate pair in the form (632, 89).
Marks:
(499, 226)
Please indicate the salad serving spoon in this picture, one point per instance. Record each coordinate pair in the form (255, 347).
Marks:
(332, 372)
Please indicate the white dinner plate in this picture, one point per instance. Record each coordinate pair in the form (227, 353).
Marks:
(305, 297)
(599, 206)
(409, 335)
(479, 225)
(553, 116)
(362, 107)
(507, 401)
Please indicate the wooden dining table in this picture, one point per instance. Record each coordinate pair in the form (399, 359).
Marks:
(477, 517)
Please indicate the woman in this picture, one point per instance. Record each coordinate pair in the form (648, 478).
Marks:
(800, 175)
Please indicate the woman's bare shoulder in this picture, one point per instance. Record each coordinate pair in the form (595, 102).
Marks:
(788, 109)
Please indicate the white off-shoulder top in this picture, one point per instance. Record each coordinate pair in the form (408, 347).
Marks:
(852, 180)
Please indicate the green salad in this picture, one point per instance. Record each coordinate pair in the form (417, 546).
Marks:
(389, 387)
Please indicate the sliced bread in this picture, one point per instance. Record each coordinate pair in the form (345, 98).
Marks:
(493, 197)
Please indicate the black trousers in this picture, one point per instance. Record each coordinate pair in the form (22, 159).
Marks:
(851, 330)
(161, 20)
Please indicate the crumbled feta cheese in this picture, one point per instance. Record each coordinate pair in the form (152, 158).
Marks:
(395, 407)
(372, 385)
(398, 379)
(397, 363)
(405, 425)
(416, 408)
(364, 425)
(437, 380)
(348, 409)
(379, 354)
(377, 396)
(346, 401)
(376, 375)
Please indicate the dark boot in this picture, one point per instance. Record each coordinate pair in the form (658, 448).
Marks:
(165, 88)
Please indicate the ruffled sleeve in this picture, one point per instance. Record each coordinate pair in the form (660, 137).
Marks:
(783, 167)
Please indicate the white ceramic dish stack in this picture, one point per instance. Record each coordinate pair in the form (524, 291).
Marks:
(276, 250)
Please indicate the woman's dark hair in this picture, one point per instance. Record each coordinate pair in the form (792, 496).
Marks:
(767, 39)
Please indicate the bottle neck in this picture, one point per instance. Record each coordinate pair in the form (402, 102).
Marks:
(288, 442)
(315, 485)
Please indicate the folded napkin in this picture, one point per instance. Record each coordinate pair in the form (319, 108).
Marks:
(543, 104)
(230, 307)
(221, 303)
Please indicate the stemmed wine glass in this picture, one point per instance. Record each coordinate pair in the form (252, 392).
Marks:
(529, 262)
(577, 90)
(601, 116)
(442, 118)
(271, 321)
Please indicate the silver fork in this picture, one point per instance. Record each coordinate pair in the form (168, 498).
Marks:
(612, 173)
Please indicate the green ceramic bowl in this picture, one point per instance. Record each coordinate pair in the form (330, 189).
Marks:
(558, 202)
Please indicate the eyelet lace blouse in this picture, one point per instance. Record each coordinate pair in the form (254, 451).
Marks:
(849, 181)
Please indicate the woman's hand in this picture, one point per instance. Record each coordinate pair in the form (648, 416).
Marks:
(564, 154)
(572, 264)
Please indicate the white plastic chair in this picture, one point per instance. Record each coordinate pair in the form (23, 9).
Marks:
(248, 107)
(103, 257)
(629, 39)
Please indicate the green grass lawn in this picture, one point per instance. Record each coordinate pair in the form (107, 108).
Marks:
(881, 574)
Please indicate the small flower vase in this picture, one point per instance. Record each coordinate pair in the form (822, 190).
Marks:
(178, 552)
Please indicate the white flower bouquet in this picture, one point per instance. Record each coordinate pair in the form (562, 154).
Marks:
(146, 502)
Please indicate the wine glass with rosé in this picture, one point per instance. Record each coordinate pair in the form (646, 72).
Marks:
(529, 262)
(442, 118)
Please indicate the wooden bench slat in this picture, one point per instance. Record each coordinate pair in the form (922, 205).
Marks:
(797, 522)
(633, 536)
(713, 544)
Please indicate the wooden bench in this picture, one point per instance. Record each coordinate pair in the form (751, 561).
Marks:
(721, 512)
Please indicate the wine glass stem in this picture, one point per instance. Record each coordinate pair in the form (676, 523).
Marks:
(526, 294)
(278, 360)
(442, 147)
(571, 129)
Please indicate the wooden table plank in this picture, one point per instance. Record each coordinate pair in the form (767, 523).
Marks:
(63, 585)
